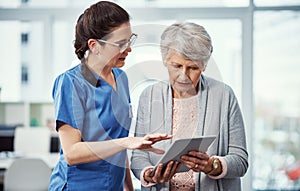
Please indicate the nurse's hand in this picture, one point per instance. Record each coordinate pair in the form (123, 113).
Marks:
(146, 142)
(162, 173)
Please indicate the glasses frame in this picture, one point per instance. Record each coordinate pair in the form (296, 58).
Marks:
(122, 46)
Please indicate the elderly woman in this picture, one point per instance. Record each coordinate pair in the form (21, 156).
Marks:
(191, 105)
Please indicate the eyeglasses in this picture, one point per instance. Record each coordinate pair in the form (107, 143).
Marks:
(122, 46)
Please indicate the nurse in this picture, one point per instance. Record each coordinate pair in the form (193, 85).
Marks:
(92, 106)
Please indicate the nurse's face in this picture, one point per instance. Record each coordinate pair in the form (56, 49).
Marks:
(116, 47)
(184, 75)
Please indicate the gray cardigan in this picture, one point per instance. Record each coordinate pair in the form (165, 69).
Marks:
(219, 115)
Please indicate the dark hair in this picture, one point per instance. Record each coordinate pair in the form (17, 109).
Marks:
(96, 22)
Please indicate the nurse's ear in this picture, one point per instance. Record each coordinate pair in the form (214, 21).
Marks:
(94, 46)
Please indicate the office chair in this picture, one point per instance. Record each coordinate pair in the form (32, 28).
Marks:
(27, 174)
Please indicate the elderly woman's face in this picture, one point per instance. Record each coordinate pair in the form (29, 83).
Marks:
(184, 75)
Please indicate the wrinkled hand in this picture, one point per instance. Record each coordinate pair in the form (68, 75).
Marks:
(146, 142)
(196, 161)
(162, 175)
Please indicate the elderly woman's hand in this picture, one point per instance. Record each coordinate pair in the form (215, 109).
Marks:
(196, 161)
(162, 173)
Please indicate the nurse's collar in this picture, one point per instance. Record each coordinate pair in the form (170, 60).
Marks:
(90, 76)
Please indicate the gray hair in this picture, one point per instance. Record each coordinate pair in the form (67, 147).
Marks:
(188, 39)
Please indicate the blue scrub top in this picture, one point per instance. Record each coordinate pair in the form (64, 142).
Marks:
(86, 102)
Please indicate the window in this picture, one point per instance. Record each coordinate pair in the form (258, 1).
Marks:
(277, 99)
(226, 59)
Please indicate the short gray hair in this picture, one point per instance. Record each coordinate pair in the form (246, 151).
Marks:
(188, 39)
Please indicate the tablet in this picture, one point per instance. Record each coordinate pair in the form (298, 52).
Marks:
(181, 147)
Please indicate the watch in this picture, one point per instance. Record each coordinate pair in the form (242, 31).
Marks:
(215, 165)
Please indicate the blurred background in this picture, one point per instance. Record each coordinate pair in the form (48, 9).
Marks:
(256, 51)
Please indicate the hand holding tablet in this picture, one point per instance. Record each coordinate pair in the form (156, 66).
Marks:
(181, 147)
